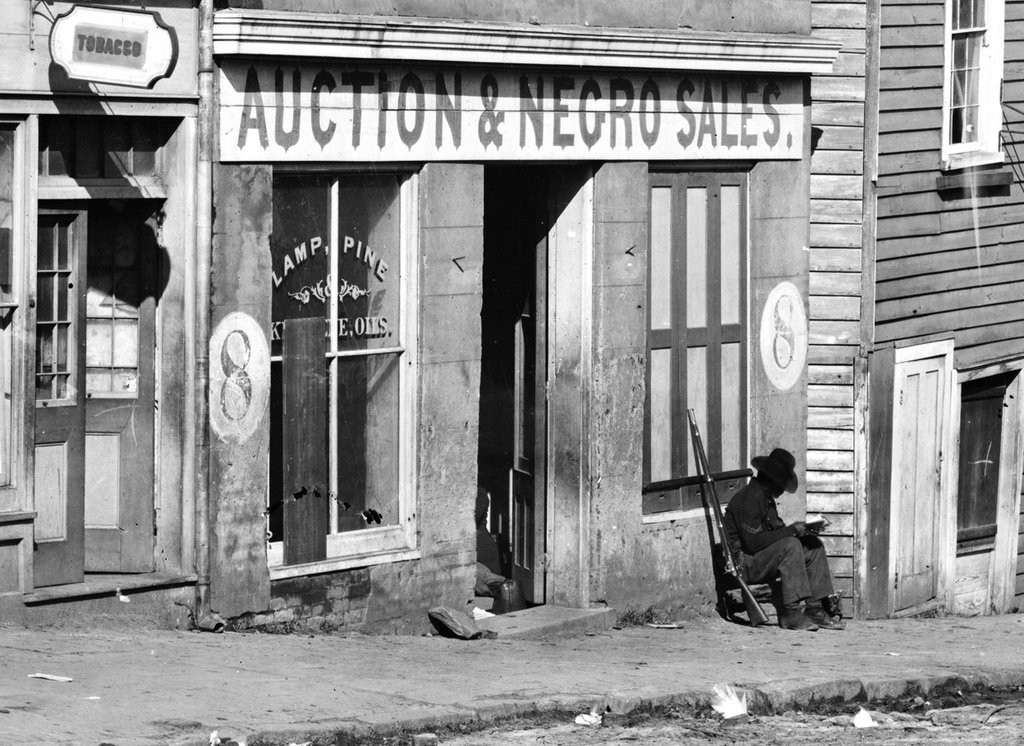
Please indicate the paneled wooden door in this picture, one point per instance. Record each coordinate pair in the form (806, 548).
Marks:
(60, 398)
(918, 511)
(95, 392)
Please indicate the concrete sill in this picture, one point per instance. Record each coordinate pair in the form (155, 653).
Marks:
(106, 585)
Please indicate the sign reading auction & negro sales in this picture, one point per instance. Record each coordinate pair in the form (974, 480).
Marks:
(107, 45)
(343, 112)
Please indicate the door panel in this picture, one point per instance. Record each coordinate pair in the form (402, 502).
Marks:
(120, 390)
(60, 398)
(920, 406)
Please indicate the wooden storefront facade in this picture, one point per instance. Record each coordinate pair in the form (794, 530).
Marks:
(97, 237)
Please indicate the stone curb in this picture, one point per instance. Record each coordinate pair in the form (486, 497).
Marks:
(762, 699)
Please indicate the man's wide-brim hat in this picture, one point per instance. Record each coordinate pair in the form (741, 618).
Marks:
(779, 466)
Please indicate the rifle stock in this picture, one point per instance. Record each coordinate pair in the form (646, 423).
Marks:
(755, 613)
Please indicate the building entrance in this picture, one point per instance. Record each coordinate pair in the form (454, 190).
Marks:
(97, 267)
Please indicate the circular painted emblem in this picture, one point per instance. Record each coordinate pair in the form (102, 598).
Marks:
(239, 376)
(784, 335)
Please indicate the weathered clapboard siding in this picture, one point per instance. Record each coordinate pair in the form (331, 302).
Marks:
(837, 185)
(1019, 589)
(947, 265)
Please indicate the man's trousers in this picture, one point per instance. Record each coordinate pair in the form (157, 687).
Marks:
(801, 563)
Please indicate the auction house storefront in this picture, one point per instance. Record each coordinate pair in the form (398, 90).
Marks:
(460, 260)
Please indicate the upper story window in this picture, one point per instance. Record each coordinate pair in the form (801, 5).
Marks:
(974, 73)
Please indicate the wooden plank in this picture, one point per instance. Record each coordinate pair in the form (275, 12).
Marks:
(838, 15)
(840, 524)
(913, 15)
(835, 260)
(838, 137)
(837, 113)
(831, 440)
(837, 211)
(304, 423)
(918, 38)
(830, 418)
(830, 502)
(1003, 297)
(959, 260)
(849, 88)
(849, 62)
(834, 332)
(835, 236)
(831, 354)
(961, 279)
(837, 187)
(830, 374)
(893, 122)
(905, 102)
(834, 307)
(838, 546)
(893, 140)
(889, 330)
(900, 246)
(829, 396)
(836, 162)
(969, 354)
(829, 461)
(893, 163)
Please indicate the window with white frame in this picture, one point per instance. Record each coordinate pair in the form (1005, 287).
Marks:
(342, 367)
(972, 112)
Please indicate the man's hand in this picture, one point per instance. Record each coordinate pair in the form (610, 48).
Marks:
(799, 529)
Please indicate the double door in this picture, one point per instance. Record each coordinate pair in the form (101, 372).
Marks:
(95, 301)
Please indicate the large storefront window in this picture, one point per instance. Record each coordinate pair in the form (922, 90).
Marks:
(696, 338)
(341, 367)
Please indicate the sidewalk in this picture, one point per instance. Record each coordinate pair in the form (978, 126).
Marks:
(164, 687)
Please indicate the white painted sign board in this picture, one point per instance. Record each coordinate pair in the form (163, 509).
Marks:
(107, 45)
(360, 112)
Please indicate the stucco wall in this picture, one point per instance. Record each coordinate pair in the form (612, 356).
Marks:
(668, 565)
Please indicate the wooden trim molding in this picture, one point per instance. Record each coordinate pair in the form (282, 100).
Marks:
(259, 33)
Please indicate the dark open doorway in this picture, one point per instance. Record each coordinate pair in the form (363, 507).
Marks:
(511, 450)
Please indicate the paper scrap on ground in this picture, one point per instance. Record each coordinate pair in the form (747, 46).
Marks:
(863, 719)
(727, 703)
(121, 597)
(670, 625)
(588, 718)
(479, 613)
(50, 677)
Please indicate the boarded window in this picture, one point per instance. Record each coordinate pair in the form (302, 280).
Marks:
(337, 263)
(696, 338)
(981, 434)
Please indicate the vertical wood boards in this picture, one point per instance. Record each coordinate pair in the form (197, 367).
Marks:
(304, 422)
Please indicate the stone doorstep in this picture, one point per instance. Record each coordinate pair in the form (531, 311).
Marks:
(546, 620)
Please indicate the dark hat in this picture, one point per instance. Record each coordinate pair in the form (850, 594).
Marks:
(779, 466)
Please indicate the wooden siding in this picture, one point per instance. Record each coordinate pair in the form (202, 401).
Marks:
(947, 264)
(837, 179)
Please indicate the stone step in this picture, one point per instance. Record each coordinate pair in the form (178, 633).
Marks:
(546, 620)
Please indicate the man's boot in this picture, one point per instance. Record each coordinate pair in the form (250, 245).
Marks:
(819, 616)
(793, 617)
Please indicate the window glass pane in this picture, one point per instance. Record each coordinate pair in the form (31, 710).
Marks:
(126, 343)
(732, 416)
(981, 426)
(6, 212)
(661, 258)
(367, 441)
(44, 297)
(697, 398)
(125, 381)
(661, 415)
(696, 257)
(299, 251)
(99, 343)
(730, 289)
(368, 262)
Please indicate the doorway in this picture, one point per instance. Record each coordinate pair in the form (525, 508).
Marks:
(97, 282)
(511, 452)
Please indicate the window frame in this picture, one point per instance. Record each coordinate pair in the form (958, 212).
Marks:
(986, 149)
(679, 181)
(378, 544)
(14, 313)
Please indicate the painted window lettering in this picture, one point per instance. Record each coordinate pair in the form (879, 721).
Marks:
(397, 113)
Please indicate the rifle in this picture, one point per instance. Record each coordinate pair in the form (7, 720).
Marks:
(755, 613)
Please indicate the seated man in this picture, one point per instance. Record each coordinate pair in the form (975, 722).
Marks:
(763, 546)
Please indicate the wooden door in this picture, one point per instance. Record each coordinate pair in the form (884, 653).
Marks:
(120, 386)
(527, 476)
(921, 422)
(60, 398)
